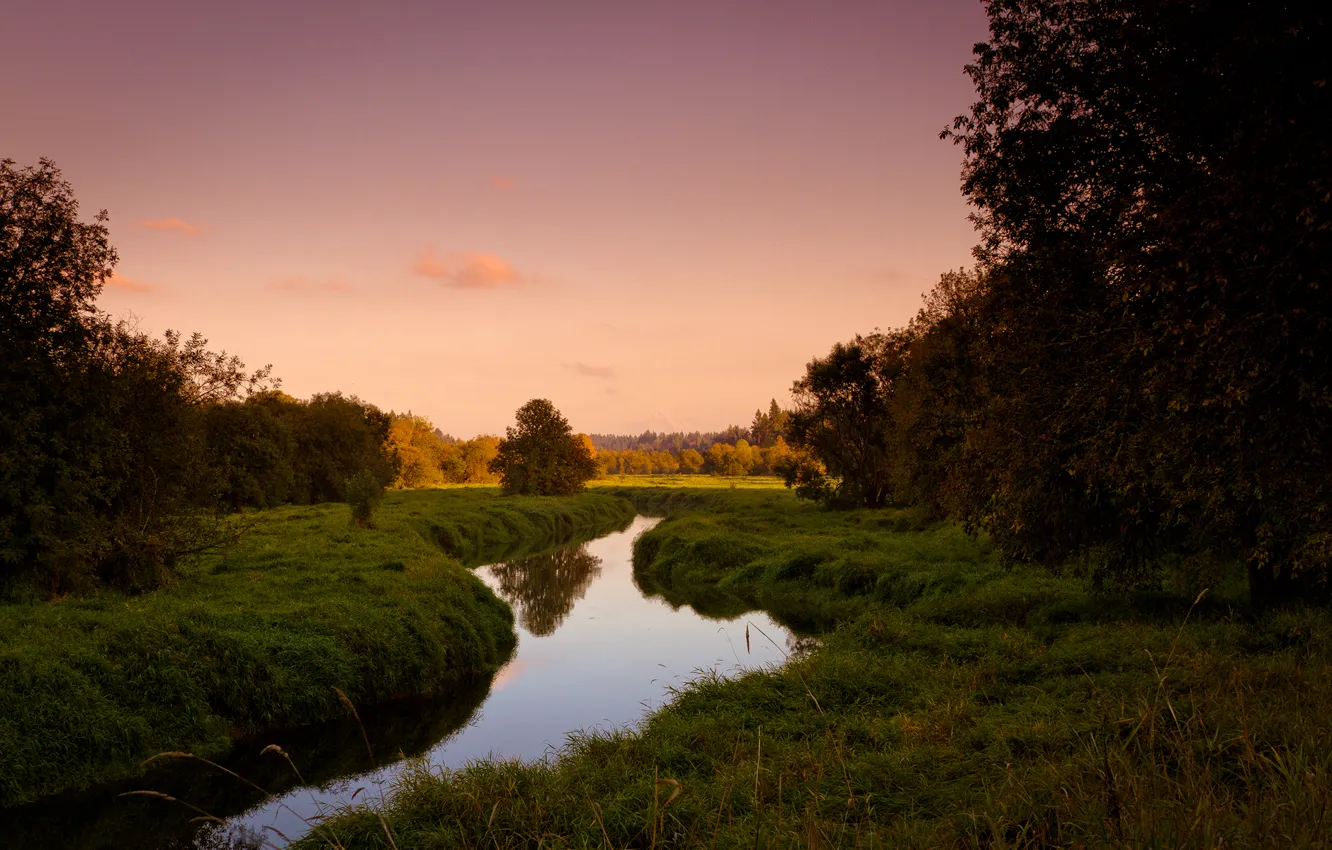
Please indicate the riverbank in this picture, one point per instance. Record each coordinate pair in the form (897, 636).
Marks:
(952, 702)
(259, 636)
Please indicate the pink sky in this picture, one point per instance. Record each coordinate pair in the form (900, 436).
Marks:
(653, 214)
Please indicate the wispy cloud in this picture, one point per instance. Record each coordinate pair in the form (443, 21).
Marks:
(468, 270)
(591, 371)
(504, 184)
(124, 284)
(306, 285)
(173, 225)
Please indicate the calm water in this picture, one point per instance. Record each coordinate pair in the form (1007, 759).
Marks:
(593, 652)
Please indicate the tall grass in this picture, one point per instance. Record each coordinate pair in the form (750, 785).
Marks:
(260, 636)
(950, 703)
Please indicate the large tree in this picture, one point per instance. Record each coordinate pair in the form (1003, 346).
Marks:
(843, 422)
(1152, 181)
(102, 477)
(540, 454)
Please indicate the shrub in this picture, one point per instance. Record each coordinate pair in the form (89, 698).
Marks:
(363, 492)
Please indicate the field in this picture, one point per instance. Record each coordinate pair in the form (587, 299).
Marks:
(260, 635)
(949, 701)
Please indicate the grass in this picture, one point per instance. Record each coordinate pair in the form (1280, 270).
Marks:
(948, 703)
(259, 636)
(688, 482)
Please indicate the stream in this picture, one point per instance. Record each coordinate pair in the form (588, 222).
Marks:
(593, 652)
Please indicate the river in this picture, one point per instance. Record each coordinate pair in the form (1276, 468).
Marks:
(593, 652)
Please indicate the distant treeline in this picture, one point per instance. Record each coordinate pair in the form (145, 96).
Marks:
(758, 449)
(766, 427)
(719, 459)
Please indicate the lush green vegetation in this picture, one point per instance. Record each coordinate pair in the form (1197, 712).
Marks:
(959, 703)
(260, 635)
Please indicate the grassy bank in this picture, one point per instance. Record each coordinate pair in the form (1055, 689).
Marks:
(259, 636)
(956, 704)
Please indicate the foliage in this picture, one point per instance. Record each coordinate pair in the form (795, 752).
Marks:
(270, 448)
(758, 450)
(103, 478)
(1152, 185)
(120, 451)
(769, 427)
(363, 493)
(339, 435)
(843, 419)
(541, 455)
(690, 461)
(764, 431)
(1126, 379)
(429, 458)
(259, 636)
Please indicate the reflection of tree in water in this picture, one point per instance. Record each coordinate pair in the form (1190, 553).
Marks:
(544, 588)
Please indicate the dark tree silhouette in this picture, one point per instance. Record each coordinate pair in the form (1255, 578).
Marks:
(843, 421)
(1152, 182)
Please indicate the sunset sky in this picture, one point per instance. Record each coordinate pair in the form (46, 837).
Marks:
(651, 213)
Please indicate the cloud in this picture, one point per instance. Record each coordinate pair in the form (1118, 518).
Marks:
(304, 284)
(504, 184)
(468, 271)
(591, 371)
(174, 225)
(125, 284)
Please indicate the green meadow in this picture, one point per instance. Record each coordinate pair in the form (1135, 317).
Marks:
(265, 633)
(947, 701)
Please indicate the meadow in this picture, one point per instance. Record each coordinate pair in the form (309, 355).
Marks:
(948, 701)
(266, 633)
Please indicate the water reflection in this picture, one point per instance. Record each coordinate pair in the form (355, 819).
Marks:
(545, 587)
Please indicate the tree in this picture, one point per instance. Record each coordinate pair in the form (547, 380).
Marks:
(421, 454)
(251, 447)
(52, 266)
(339, 436)
(541, 456)
(842, 422)
(690, 461)
(1152, 185)
(102, 474)
(478, 454)
(768, 427)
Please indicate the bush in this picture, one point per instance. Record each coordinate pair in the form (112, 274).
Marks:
(363, 492)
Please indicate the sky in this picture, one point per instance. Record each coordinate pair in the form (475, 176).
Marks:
(652, 213)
